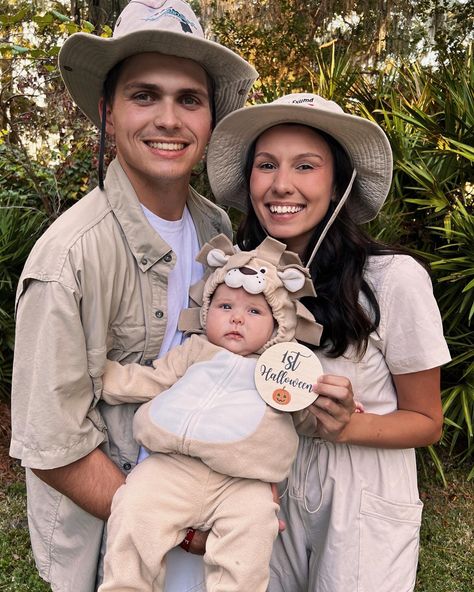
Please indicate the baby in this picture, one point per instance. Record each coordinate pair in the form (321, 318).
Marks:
(214, 444)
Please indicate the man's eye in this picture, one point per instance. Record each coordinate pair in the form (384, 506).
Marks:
(143, 97)
(190, 100)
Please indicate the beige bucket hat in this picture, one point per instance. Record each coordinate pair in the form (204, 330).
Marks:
(364, 142)
(169, 27)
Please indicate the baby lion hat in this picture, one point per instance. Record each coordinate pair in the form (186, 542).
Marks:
(270, 270)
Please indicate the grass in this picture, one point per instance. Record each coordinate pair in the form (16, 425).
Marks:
(447, 542)
(446, 561)
(17, 568)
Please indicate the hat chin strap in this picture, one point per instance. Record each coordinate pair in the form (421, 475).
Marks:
(102, 146)
(342, 201)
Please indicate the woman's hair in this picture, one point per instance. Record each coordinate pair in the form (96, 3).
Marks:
(338, 267)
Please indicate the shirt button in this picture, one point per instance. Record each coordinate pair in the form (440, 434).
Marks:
(126, 466)
(159, 314)
(167, 258)
(144, 261)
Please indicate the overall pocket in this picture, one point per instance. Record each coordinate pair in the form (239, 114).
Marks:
(389, 541)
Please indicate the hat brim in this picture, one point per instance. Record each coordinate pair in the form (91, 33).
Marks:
(364, 142)
(85, 60)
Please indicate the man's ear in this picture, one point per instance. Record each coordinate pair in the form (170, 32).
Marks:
(109, 119)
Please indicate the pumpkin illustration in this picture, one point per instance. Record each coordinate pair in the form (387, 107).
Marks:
(281, 396)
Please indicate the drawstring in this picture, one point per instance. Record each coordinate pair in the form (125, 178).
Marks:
(342, 201)
(313, 446)
(314, 442)
(285, 491)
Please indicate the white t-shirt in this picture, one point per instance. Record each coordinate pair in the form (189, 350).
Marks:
(182, 238)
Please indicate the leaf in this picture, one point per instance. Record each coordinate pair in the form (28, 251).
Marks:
(466, 405)
(14, 19)
(61, 17)
(87, 27)
(45, 19)
(438, 464)
(19, 49)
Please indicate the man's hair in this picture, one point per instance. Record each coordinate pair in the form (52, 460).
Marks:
(110, 86)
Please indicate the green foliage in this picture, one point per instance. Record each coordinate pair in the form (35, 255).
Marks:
(428, 115)
(48, 150)
(446, 545)
(280, 36)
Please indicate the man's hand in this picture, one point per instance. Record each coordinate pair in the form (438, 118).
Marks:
(198, 544)
(89, 482)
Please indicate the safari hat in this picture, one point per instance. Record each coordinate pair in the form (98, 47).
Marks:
(364, 142)
(169, 27)
(269, 270)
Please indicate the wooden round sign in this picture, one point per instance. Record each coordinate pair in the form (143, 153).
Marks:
(285, 374)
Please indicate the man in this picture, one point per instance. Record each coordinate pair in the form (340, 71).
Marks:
(110, 276)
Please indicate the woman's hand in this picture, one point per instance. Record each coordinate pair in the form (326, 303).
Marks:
(334, 406)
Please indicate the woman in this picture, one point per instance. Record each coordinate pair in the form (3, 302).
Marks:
(308, 174)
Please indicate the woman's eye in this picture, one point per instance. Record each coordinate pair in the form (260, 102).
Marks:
(266, 166)
(305, 167)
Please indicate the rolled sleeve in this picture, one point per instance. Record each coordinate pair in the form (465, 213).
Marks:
(53, 423)
(411, 328)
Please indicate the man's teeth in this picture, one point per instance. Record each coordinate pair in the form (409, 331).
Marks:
(166, 145)
(285, 209)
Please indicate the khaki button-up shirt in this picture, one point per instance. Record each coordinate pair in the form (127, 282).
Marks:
(94, 287)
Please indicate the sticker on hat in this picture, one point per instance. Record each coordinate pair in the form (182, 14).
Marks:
(285, 374)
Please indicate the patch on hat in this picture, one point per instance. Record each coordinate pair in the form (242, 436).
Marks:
(186, 25)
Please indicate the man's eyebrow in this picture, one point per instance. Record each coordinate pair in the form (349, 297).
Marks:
(143, 85)
(150, 86)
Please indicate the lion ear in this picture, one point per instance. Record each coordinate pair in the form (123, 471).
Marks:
(293, 279)
(217, 258)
